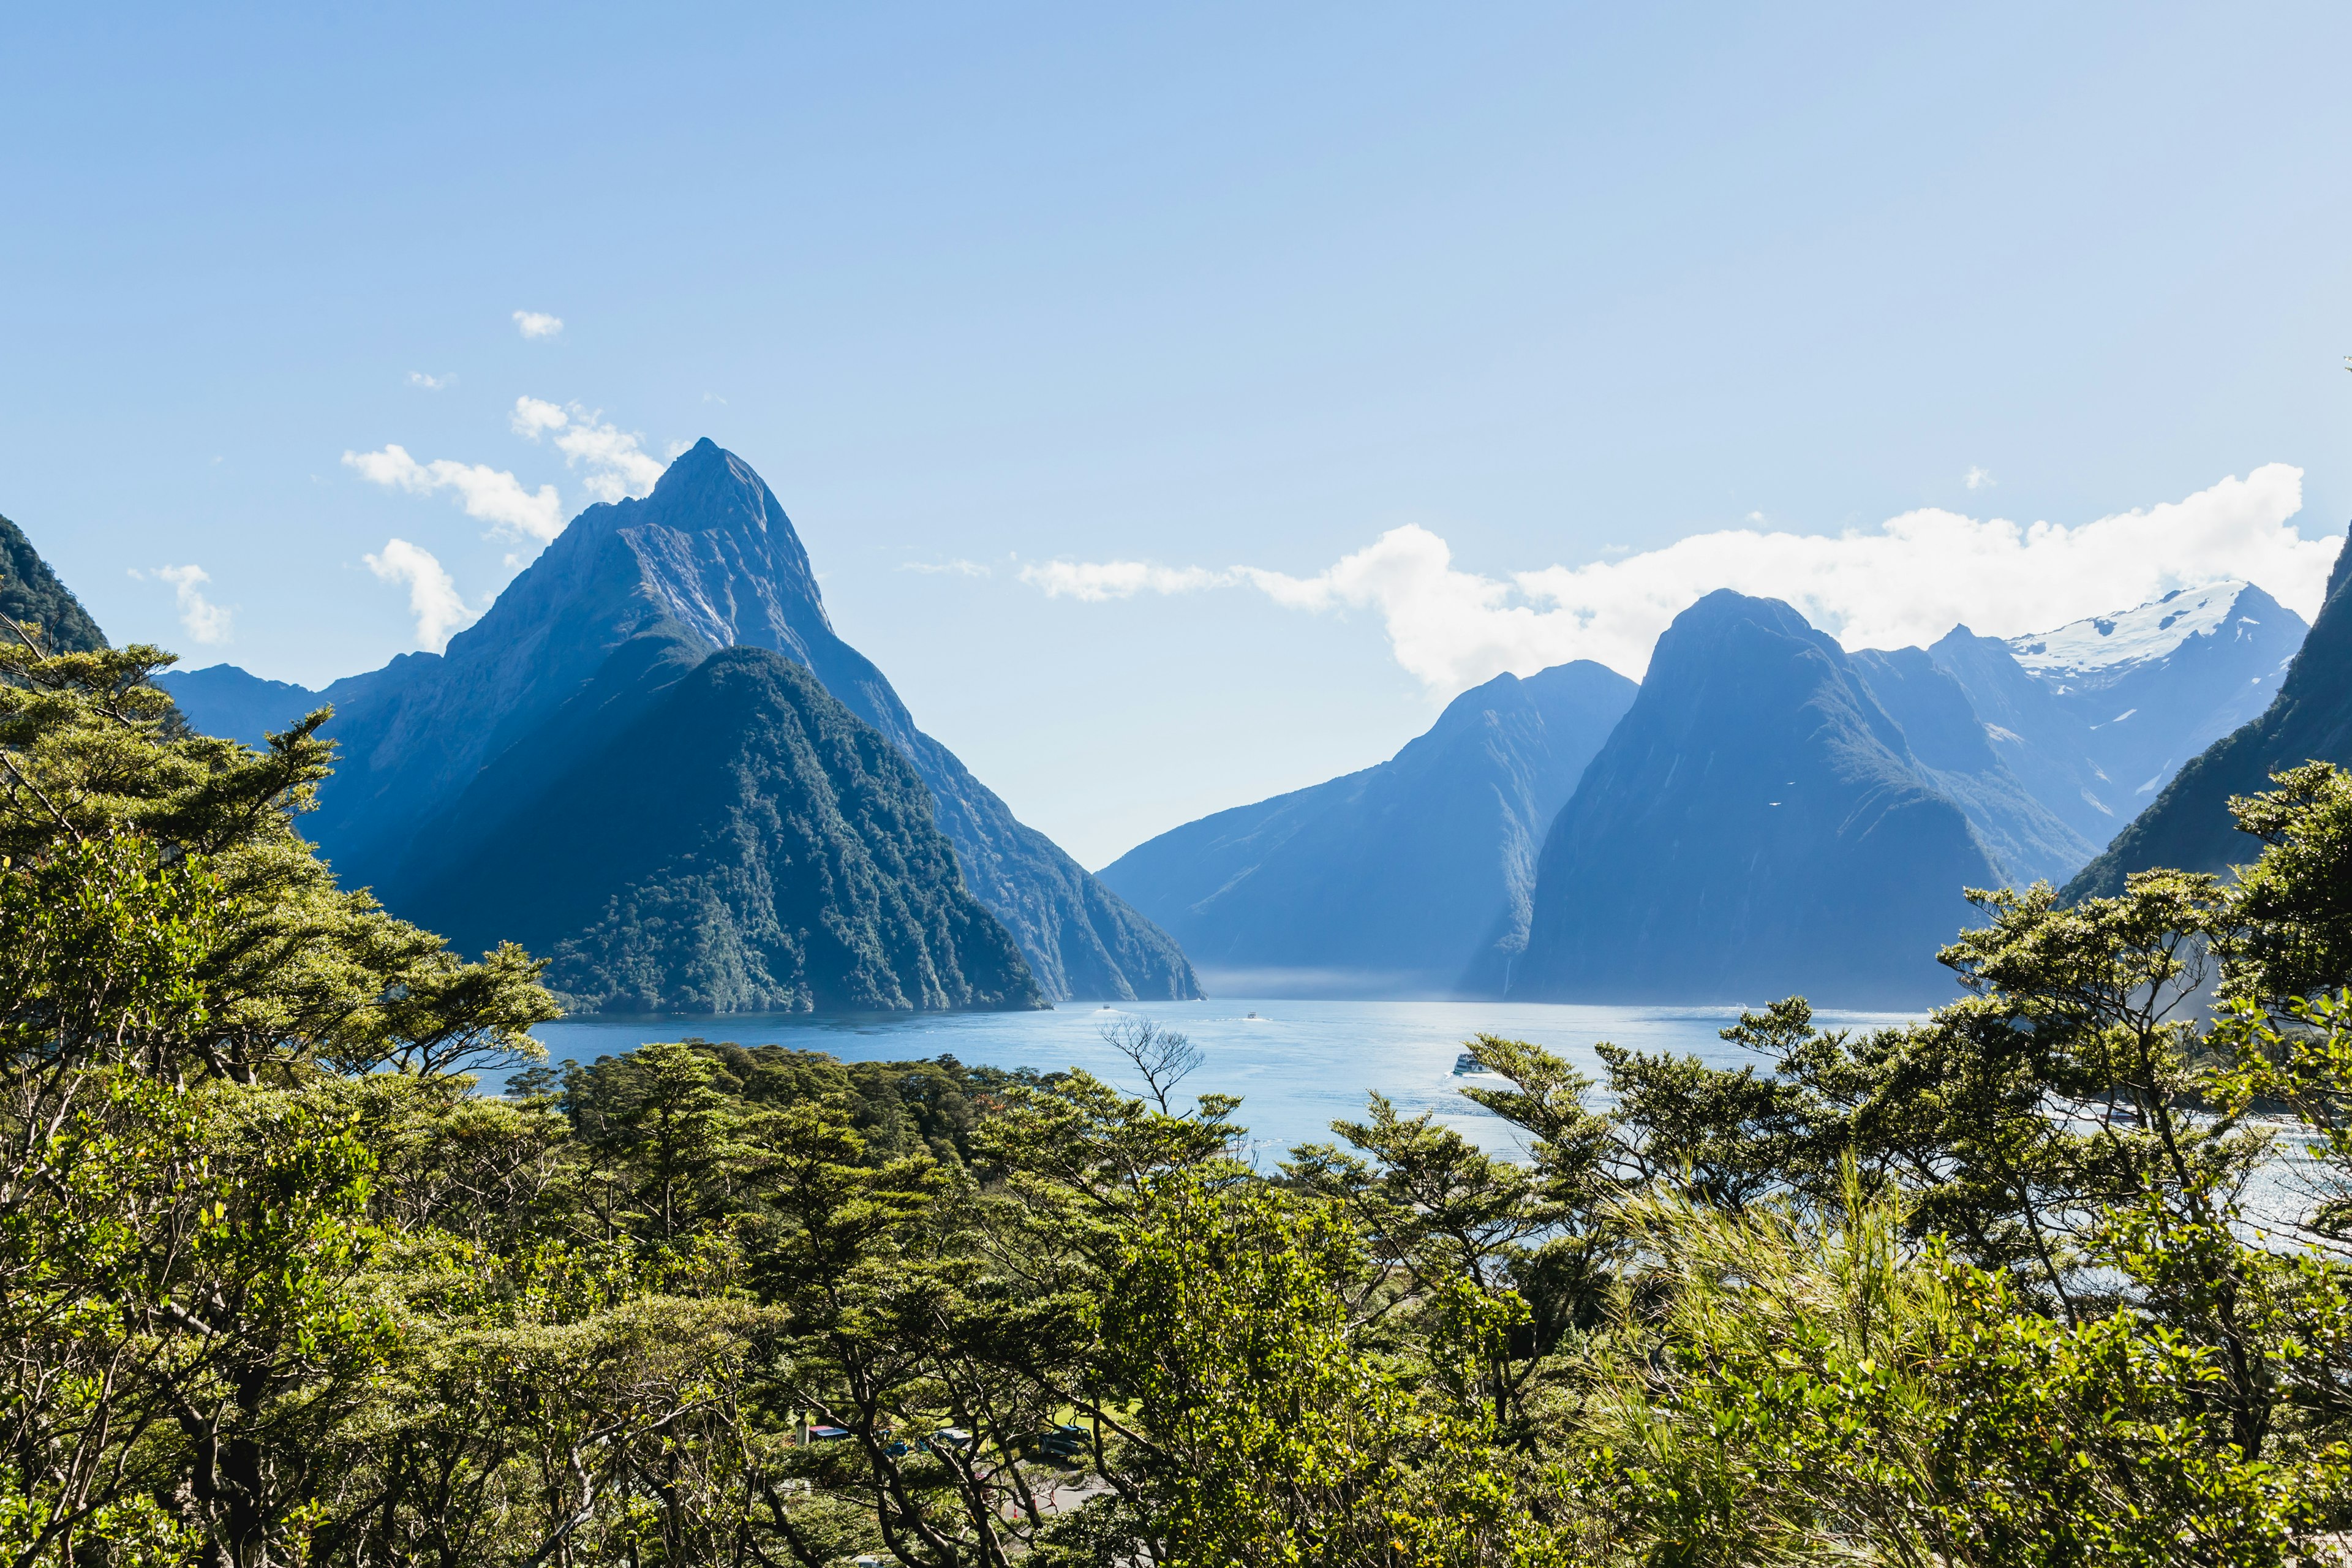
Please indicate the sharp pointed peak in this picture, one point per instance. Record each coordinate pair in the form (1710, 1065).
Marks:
(703, 460)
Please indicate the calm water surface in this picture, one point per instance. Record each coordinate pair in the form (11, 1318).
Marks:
(1298, 1065)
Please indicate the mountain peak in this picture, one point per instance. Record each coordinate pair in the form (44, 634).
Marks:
(707, 561)
(706, 488)
(2099, 650)
(706, 462)
(2308, 717)
(1754, 825)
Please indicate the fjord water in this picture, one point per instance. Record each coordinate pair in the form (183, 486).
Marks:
(1298, 1065)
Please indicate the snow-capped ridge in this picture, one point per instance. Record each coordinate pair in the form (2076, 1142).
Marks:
(2101, 649)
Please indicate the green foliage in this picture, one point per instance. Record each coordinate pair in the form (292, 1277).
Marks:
(184, 1180)
(1814, 1385)
(280, 1285)
(745, 844)
(2290, 931)
(32, 596)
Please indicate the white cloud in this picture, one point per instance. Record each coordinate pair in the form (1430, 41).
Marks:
(533, 418)
(1977, 479)
(616, 466)
(432, 597)
(493, 495)
(537, 323)
(430, 383)
(199, 617)
(1908, 581)
(933, 568)
(1098, 580)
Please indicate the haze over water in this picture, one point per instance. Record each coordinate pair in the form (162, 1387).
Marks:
(1298, 1065)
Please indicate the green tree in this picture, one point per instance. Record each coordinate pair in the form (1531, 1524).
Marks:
(183, 1188)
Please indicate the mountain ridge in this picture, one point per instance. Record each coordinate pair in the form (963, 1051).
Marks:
(1409, 877)
(712, 554)
(2095, 722)
(1952, 753)
(758, 847)
(2188, 826)
(1755, 827)
(31, 591)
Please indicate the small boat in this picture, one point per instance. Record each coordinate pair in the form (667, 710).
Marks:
(1253, 1016)
(1468, 1062)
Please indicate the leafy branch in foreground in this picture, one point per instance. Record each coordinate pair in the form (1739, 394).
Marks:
(2023, 1282)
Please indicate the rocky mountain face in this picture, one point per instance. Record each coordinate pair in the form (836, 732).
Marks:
(2095, 717)
(1758, 825)
(2034, 745)
(1952, 752)
(710, 561)
(1409, 878)
(31, 595)
(2307, 718)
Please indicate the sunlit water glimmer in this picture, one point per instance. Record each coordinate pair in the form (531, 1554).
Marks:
(1298, 1065)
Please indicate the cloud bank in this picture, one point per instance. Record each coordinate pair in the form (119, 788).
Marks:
(202, 620)
(433, 596)
(1908, 581)
(616, 467)
(537, 323)
(493, 495)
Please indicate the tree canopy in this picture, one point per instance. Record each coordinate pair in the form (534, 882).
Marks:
(2057, 1275)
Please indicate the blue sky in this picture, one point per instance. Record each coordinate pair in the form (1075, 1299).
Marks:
(983, 288)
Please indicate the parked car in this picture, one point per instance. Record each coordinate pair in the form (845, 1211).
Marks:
(1064, 1443)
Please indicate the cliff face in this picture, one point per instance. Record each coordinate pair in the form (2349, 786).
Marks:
(711, 556)
(1411, 878)
(1756, 827)
(2188, 826)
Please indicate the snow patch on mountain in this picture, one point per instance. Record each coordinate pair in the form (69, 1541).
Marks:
(2100, 648)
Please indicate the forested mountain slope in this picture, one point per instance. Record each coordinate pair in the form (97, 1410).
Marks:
(30, 592)
(712, 555)
(731, 837)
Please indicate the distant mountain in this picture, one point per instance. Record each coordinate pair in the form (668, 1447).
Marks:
(30, 592)
(1952, 753)
(710, 560)
(1409, 877)
(737, 841)
(221, 699)
(2044, 743)
(236, 704)
(2310, 718)
(1756, 825)
(2095, 717)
